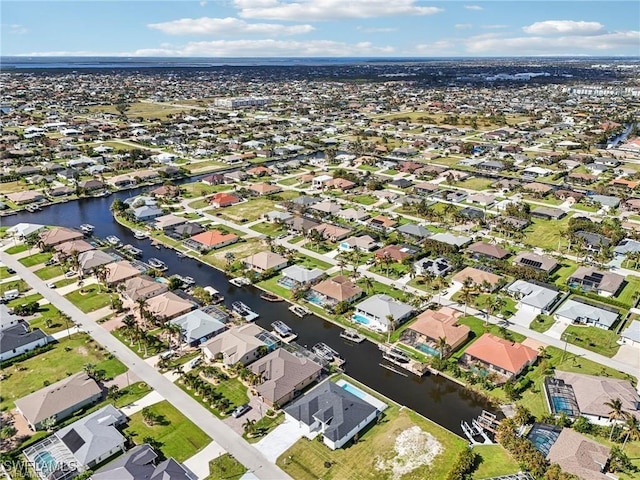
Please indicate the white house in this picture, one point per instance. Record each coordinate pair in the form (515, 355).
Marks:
(573, 311)
(374, 311)
(319, 181)
(631, 335)
(16, 337)
(532, 298)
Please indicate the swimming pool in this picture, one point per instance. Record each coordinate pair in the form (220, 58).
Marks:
(543, 437)
(315, 298)
(354, 390)
(360, 319)
(561, 404)
(361, 394)
(287, 282)
(45, 463)
(423, 347)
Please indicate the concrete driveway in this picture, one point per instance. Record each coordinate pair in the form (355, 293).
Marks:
(557, 329)
(522, 318)
(630, 355)
(258, 409)
(280, 439)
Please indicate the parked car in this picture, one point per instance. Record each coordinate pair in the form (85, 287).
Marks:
(51, 285)
(195, 362)
(167, 354)
(50, 262)
(241, 410)
(70, 274)
(10, 271)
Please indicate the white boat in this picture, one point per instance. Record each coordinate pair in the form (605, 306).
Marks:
(113, 240)
(139, 234)
(87, 228)
(244, 311)
(352, 335)
(157, 264)
(299, 310)
(240, 281)
(131, 250)
(180, 255)
(323, 351)
(282, 328)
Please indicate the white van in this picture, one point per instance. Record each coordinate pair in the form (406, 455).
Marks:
(11, 294)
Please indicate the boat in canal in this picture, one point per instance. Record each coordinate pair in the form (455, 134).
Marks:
(325, 352)
(113, 240)
(157, 264)
(282, 329)
(216, 296)
(140, 235)
(240, 281)
(242, 310)
(131, 250)
(87, 228)
(270, 297)
(352, 335)
(299, 310)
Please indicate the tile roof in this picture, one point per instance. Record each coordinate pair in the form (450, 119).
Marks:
(502, 353)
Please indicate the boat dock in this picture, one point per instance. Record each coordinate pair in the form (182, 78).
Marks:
(477, 431)
(299, 310)
(352, 335)
(400, 358)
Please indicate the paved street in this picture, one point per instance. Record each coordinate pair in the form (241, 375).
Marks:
(230, 441)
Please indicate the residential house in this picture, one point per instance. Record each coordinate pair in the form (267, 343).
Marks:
(319, 182)
(401, 183)
(631, 334)
(575, 311)
(334, 290)
(242, 344)
(495, 354)
(450, 239)
(340, 184)
(381, 223)
(416, 232)
(433, 267)
(301, 225)
(425, 188)
(488, 250)
(533, 297)
(91, 259)
(326, 207)
(353, 215)
(432, 325)
(374, 312)
(122, 181)
(73, 247)
(478, 278)
(167, 222)
(538, 262)
(58, 400)
(579, 455)
(197, 327)
(482, 199)
(143, 286)
(607, 202)
(25, 196)
(589, 279)
(82, 445)
(165, 191)
(626, 246)
(19, 338)
(334, 412)
(538, 189)
(213, 179)
(91, 185)
(364, 243)
(210, 240)
(263, 261)
(167, 306)
(296, 276)
(277, 216)
(283, 376)
(223, 199)
(593, 242)
(332, 233)
(397, 253)
(264, 189)
(142, 463)
(145, 213)
(58, 235)
(187, 230)
(548, 213)
(118, 272)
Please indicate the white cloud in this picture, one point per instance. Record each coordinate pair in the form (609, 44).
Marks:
(203, 3)
(473, 7)
(226, 26)
(439, 47)
(247, 48)
(329, 9)
(463, 26)
(497, 26)
(564, 27)
(376, 29)
(14, 28)
(566, 45)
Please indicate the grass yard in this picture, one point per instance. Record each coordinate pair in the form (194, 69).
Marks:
(494, 461)
(272, 286)
(248, 211)
(240, 249)
(447, 161)
(567, 267)
(19, 285)
(234, 391)
(265, 425)
(542, 323)
(475, 183)
(373, 455)
(390, 172)
(143, 110)
(287, 182)
(225, 467)
(267, 228)
(24, 300)
(89, 298)
(204, 166)
(547, 233)
(364, 199)
(178, 436)
(66, 358)
(52, 271)
(394, 270)
(632, 286)
(593, 338)
(35, 259)
(199, 189)
(310, 262)
(17, 249)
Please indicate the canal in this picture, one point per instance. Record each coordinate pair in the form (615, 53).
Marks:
(437, 398)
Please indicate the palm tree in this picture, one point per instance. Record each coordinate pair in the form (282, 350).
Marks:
(391, 326)
(342, 263)
(141, 306)
(249, 427)
(368, 285)
(172, 329)
(466, 292)
(129, 325)
(496, 304)
(632, 426)
(616, 413)
(443, 347)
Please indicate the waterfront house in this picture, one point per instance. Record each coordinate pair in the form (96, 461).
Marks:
(495, 354)
(197, 327)
(237, 344)
(589, 279)
(167, 306)
(295, 276)
(58, 235)
(210, 240)
(283, 376)
(576, 311)
(334, 290)
(118, 272)
(533, 297)
(263, 261)
(25, 196)
(431, 325)
(167, 222)
(91, 259)
(334, 412)
(145, 213)
(188, 229)
(374, 312)
(142, 286)
(122, 181)
(479, 278)
(535, 261)
(213, 179)
(58, 400)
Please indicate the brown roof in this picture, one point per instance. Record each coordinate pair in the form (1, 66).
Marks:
(339, 288)
(281, 373)
(265, 260)
(59, 235)
(143, 286)
(168, 305)
(396, 252)
(502, 353)
(610, 282)
(329, 231)
(579, 455)
(120, 271)
(441, 323)
(57, 397)
(477, 276)
(74, 245)
(488, 250)
(264, 188)
(541, 262)
(537, 187)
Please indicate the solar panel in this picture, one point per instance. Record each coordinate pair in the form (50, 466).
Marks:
(531, 263)
(73, 441)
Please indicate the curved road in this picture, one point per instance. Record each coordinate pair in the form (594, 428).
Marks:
(212, 426)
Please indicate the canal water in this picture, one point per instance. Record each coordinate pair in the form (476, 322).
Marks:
(441, 400)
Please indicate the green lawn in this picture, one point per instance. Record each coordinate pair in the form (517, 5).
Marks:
(267, 228)
(178, 436)
(311, 262)
(632, 286)
(225, 467)
(19, 285)
(199, 189)
(35, 259)
(17, 249)
(567, 267)
(494, 461)
(542, 323)
(271, 285)
(475, 183)
(266, 425)
(547, 233)
(373, 455)
(67, 357)
(89, 298)
(201, 203)
(234, 391)
(52, 271)
(364, 199)
(247, 211)
(594, 339)
(378, 287)
(289, 181)
(393, 270)
(24, 300)
(48, 314)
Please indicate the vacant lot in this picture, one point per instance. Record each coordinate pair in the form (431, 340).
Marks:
(494, 461)
(89, 298)
(547, 233)
(254, 208)
(145, 111)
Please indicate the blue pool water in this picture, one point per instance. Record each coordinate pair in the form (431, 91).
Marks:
(361, 319)
(315, 298)
(428, 349)
(45, 463)
(354, 391)
(286, 282)
(561, 404)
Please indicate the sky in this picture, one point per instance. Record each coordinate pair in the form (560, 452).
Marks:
(320, 28)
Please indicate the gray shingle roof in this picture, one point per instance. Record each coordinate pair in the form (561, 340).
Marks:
(18, 336)
(381, 305)
(197, 324)
(532, 294)
(578, 311)
(138, 464)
